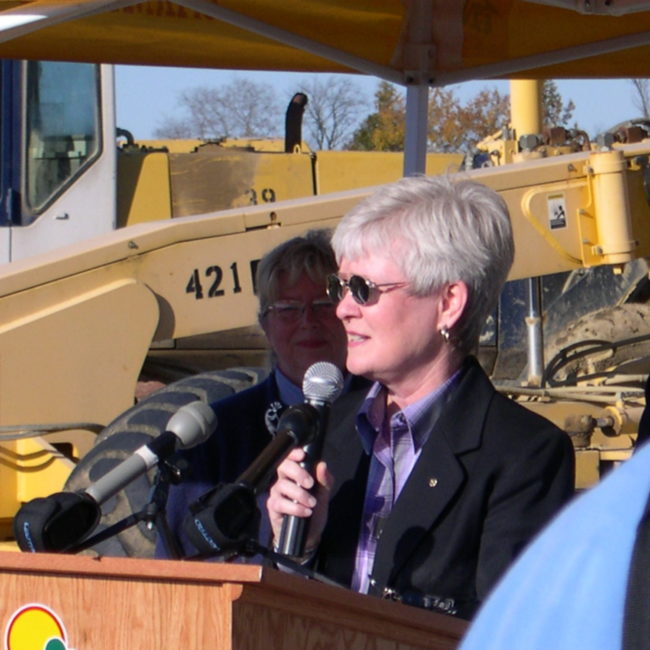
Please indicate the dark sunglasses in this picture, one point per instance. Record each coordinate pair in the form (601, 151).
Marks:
(364, 291)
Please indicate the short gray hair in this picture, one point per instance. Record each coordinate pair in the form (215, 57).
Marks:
(437, 229)
(311, 254)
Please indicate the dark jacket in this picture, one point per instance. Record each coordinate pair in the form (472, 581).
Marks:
(240, 437)
(244, 422)
(490, 475)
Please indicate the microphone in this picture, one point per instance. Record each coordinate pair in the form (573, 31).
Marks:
(298, 426)
(60, 520)
(226, 516)
(191, 425)
(322, 384)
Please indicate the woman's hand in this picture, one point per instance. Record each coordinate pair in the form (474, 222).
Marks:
(297, 493)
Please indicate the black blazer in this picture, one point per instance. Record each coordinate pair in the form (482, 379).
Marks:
(490, 475)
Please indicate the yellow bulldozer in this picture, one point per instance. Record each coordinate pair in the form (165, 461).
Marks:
(65, 156)
(83, 323)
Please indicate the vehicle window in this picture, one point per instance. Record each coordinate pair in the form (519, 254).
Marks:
(62, 133)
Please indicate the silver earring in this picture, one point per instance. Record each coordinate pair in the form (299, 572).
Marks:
(444, 332)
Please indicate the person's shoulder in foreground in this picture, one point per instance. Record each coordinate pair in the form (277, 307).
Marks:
(568, 589)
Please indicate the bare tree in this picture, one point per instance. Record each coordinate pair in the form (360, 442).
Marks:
(174, 128)
(240, 108)
(641, 98)
(333, 111)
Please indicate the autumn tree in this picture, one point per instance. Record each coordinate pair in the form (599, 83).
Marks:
(452, 127)
(333, 110)
(240, 108)
(456, 127)
(555, 111)
(443, 120)
(382, 130)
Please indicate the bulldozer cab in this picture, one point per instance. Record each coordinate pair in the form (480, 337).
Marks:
(54, 132)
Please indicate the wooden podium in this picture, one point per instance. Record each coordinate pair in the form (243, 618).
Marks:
(128, 603)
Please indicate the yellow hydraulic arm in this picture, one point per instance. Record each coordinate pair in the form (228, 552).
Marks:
(78, 322)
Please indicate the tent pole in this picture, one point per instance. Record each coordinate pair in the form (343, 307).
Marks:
(415, 138)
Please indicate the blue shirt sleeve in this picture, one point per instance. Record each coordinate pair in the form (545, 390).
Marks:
(568, 588)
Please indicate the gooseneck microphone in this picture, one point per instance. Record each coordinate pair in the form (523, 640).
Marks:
(322, 384)
(63, 519)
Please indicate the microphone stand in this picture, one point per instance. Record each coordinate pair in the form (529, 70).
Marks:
(251, 547)
(237, 536)
(153, 514)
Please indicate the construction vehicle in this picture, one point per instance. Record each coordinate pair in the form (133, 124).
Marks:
(80, 322)
(60, 140)
(61, 155)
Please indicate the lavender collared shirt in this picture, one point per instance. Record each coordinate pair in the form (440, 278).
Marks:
(394, 445)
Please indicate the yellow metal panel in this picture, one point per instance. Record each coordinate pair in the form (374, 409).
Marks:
(143, 187)
(266, 145)
(587, 468)
(216, 179)
(177, 145)
(51, 467)
(637, 188)
(281, 176)
(345, 170)
(85, 347)
(191, 145)
(562, 217)
(208, 283)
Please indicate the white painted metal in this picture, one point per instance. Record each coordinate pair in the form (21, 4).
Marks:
(88, 207)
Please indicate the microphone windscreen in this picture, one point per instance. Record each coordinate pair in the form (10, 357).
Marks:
(193, 424)
(323, 382)
(56, 522)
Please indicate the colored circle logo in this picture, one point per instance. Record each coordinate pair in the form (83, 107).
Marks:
(35, 627)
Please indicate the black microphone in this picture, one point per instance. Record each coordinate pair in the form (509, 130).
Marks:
(297, 426)
(61, 520)
(227, 516)
(322, 384)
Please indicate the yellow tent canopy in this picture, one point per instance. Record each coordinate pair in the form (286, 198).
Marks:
(414, 41)
(417, 43)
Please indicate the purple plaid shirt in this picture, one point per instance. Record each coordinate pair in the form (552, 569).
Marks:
(394, 445)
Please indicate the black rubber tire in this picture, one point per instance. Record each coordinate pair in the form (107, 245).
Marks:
(134, 428)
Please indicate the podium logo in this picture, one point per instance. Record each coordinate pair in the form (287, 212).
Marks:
(35, 627)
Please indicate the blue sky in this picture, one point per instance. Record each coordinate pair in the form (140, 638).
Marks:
(145, 95)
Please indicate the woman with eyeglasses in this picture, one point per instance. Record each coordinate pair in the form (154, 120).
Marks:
(300, 324)
(431, 482)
